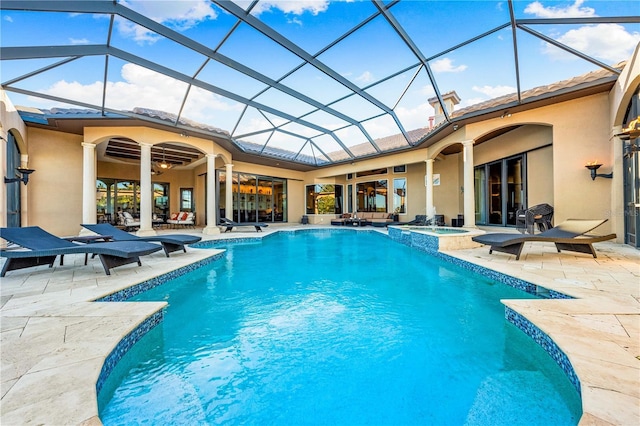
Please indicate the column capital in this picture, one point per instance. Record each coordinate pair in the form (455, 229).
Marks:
(468, 143)
(145, 144)
(228, 165)
(429, 160)
(211, 156)
(88, 145)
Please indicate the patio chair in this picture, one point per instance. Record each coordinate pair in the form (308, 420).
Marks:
(170, 243)
(127, 221)
(540, 215)
(229, 224)
(38, 247)
(420, 220)
(570, 235)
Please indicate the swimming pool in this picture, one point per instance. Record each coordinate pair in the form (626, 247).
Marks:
(335, 327)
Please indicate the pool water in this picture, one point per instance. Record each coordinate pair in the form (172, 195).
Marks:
(335, 327)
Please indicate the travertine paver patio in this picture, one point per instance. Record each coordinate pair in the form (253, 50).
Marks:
(54, 339)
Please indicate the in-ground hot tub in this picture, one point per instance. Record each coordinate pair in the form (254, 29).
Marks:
(434, 238)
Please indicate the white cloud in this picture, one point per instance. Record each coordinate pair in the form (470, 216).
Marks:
(446, 65)
(8, 18)
(179, 15)
(572, 11)
(416, 117)
(296, 7)
(365, 77)
(147, 89)
(608, 42)
(494, 91)
(78, 41)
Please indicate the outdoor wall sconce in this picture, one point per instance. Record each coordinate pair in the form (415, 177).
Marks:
(25, 176)
(595, 166)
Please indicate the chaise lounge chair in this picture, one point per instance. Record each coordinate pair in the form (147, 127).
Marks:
(170, 243)
(229, 224)
(570, 235)
(41, 248)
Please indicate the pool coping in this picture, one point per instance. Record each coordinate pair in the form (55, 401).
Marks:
(423, 243)
(609, 373)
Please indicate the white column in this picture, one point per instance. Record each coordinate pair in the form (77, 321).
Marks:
(469, 192)
(211, 228)
(428, 182)
(146, 194)
(228, 201)
(89, 208)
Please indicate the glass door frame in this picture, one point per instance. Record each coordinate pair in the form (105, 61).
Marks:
(488, 192)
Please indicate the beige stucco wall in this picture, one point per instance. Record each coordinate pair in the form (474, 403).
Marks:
(55, 197)
(540, 185)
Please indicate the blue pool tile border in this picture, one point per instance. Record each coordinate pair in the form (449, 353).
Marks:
(134, 290)
(149, 323)
(422, 242)
(544, 341)
(125, 344)
(430, 245)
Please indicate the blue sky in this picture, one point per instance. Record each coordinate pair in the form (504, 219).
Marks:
(480, 71)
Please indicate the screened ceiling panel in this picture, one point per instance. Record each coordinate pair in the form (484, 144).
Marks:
(357, 107)
(413, 110)
(385, 128)
(299, 129)
(277, 99)
(325, 120)
(478, 71)
(140, 87)
(328, 24)
(155, 48)
(85, 87)
(331, 148)
(252, 121)
(313, 82)
(214, 111)
(358, 56)
(436, 26)
(558, 62)
(355, 138)
(25, 28)
(258, 52)
(230, 79)
(390, 90)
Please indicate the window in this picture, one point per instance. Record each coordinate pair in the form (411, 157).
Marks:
(372, 196)
(372, 172)
(186, 199)
(400, 195)
(324, 199)
(400, 169)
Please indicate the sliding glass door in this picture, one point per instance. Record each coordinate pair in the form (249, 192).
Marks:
(254, 198)
(500, 191)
